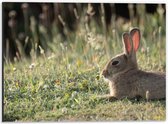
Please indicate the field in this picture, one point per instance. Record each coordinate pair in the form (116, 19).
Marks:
(64, 83)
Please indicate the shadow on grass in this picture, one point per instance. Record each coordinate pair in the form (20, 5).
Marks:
(9, 117)
(139, 99)
(135, 100)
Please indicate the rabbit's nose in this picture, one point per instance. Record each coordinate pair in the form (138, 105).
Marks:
(105, 73)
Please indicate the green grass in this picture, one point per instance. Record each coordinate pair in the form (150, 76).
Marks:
(64, 82)
(53, 93)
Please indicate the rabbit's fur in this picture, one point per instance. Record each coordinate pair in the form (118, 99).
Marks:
(126, 80)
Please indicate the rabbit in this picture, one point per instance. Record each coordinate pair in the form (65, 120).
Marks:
(124, 77)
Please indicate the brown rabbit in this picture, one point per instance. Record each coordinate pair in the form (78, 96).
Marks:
(126, 80)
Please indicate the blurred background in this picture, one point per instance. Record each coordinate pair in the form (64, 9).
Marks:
(30, 29)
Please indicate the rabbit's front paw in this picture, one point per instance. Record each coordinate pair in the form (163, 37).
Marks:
(107, 97)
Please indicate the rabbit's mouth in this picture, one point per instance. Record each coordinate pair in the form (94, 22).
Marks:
(105, 73)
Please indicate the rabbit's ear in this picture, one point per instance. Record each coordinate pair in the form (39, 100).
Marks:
(135, 36)
(127, 43)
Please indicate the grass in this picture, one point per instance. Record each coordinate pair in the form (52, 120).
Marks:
(64, 82)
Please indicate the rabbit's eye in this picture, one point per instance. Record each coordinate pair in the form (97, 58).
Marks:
(115, 62)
